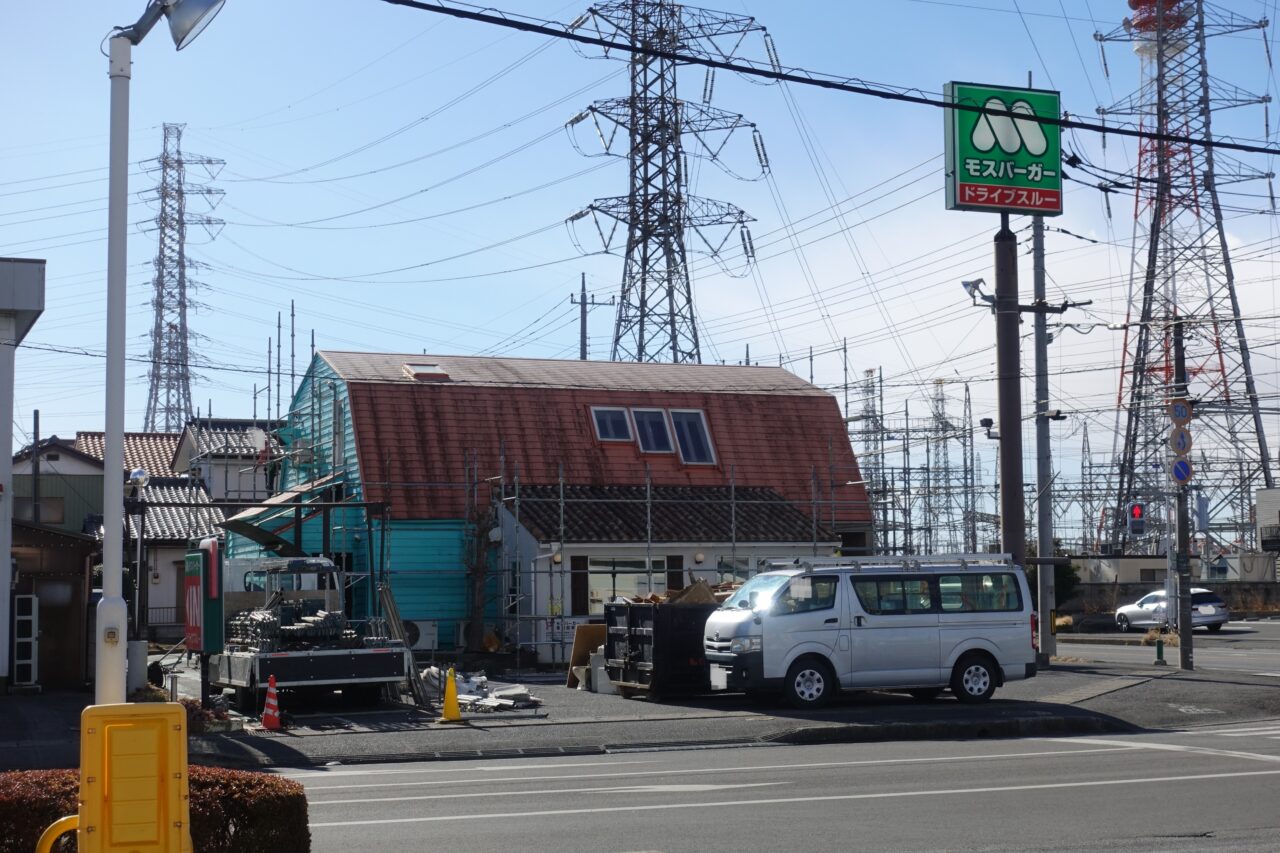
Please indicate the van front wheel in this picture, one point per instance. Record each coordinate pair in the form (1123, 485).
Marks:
(810, 683)
(974, 678)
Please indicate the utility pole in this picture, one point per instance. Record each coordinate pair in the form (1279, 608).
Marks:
(1186, 659)
(1044, 469)
(1013, 512)
(581, 302)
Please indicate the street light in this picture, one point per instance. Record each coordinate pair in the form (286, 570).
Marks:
(187, 19)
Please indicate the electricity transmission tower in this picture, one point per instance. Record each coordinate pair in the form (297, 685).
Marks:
(655, 320)
(1184, 272)
(169, 396)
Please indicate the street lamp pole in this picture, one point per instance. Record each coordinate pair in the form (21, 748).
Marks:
(187, 18)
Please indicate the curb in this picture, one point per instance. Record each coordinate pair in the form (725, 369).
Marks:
(1050, 724)
(952, 730)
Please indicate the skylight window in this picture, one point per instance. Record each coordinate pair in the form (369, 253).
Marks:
(611, 424)
(692, 437)
(651, 429)
(424, 371)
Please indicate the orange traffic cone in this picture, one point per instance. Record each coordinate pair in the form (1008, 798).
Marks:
(271, 712)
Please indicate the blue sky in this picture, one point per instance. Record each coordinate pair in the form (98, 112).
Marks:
(361, 138)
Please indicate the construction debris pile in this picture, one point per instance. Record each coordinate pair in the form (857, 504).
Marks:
(475, 694)
(291, 626)
(698, 592)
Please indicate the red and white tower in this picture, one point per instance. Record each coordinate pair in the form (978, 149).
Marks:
(1182, 270)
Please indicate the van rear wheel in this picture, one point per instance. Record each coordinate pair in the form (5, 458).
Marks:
(810, 683)
(974, 678)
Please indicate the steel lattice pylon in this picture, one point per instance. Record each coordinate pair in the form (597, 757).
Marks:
(1184, 273)
(655, 320)
(169, 395)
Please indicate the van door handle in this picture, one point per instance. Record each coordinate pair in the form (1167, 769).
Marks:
(858, 621)
(833, 620)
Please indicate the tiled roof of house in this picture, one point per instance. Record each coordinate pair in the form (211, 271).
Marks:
(231, 436)
(152, 451)
(416, 441)
(175, 523)
(552, 373)
(671, 514)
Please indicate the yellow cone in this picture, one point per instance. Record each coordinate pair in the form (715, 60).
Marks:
(450, 712)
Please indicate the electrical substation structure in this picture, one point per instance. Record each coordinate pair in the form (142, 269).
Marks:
(662, 221)
(169, 394)
(1183, 271)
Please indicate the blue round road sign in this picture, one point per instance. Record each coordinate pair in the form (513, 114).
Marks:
(1181, 471)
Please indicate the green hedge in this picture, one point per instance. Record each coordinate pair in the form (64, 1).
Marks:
(232, 811)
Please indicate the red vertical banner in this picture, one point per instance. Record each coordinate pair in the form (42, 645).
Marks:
(194, 599)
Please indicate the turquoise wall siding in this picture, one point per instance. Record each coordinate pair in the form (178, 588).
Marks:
(425, 559)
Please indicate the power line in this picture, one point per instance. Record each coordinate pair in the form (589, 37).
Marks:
(813, 78)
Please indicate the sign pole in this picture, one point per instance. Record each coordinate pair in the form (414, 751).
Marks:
(1013, 511)
(1186, 658)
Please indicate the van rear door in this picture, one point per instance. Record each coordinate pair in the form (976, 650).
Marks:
(895, 636)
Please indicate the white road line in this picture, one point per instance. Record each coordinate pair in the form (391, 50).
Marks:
(756, 768)
(1248, 732)
(507, 766)
(594, 790)
(1174, 747)
(887, 795)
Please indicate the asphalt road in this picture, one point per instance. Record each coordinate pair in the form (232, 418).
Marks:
(1248, 647)
(1212, 789)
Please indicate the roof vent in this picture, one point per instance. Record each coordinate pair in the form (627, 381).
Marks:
(426, 371)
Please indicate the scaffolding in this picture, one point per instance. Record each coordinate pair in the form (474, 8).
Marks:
(921, 473)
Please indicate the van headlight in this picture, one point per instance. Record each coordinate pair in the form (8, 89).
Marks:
(744, 644)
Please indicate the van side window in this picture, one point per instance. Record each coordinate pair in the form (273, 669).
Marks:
(980, 593)
(807, 593)
(882, 596)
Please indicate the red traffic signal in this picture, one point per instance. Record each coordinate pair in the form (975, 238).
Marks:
(1137, 518)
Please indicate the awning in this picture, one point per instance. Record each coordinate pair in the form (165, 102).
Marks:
(252, 523)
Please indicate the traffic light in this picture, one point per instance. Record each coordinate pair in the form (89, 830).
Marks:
(1137, 518)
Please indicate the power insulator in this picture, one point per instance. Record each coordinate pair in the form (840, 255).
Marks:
(708, 85)
(748, 247)
(761, 154)
(772, 52)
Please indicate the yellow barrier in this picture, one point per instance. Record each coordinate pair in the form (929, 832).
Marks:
(60, 827)
(133, 781)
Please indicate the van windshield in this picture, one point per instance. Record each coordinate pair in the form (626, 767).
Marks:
(756, 593)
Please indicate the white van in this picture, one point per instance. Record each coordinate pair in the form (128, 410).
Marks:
(918, 624)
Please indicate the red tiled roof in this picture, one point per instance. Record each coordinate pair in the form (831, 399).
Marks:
(153, 451)
(415, 440)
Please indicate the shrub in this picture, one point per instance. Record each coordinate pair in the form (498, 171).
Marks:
(1170, 638)
(232, 811)
(198, 715)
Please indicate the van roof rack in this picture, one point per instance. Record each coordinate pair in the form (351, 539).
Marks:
(907, 562)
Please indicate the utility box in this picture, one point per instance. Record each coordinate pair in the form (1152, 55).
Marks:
(657, 648)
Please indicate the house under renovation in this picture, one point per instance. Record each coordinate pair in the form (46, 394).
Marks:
(529, 492)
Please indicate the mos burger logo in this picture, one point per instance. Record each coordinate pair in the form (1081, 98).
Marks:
(1012, 127)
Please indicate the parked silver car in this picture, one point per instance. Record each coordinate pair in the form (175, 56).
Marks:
(1208, 610)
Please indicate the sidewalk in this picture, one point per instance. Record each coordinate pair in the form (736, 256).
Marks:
(1069, 698)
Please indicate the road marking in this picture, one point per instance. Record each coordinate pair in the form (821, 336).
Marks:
(506, 765)
(1247, 732)
(748, 769)
(1174, 747)
(886, 795)
(594, 790)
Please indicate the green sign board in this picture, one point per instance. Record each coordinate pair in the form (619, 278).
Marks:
(1003, 159)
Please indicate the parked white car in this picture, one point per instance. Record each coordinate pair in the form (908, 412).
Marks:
(1208, 610)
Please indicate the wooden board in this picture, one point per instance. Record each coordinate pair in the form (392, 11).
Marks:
(586, 639)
